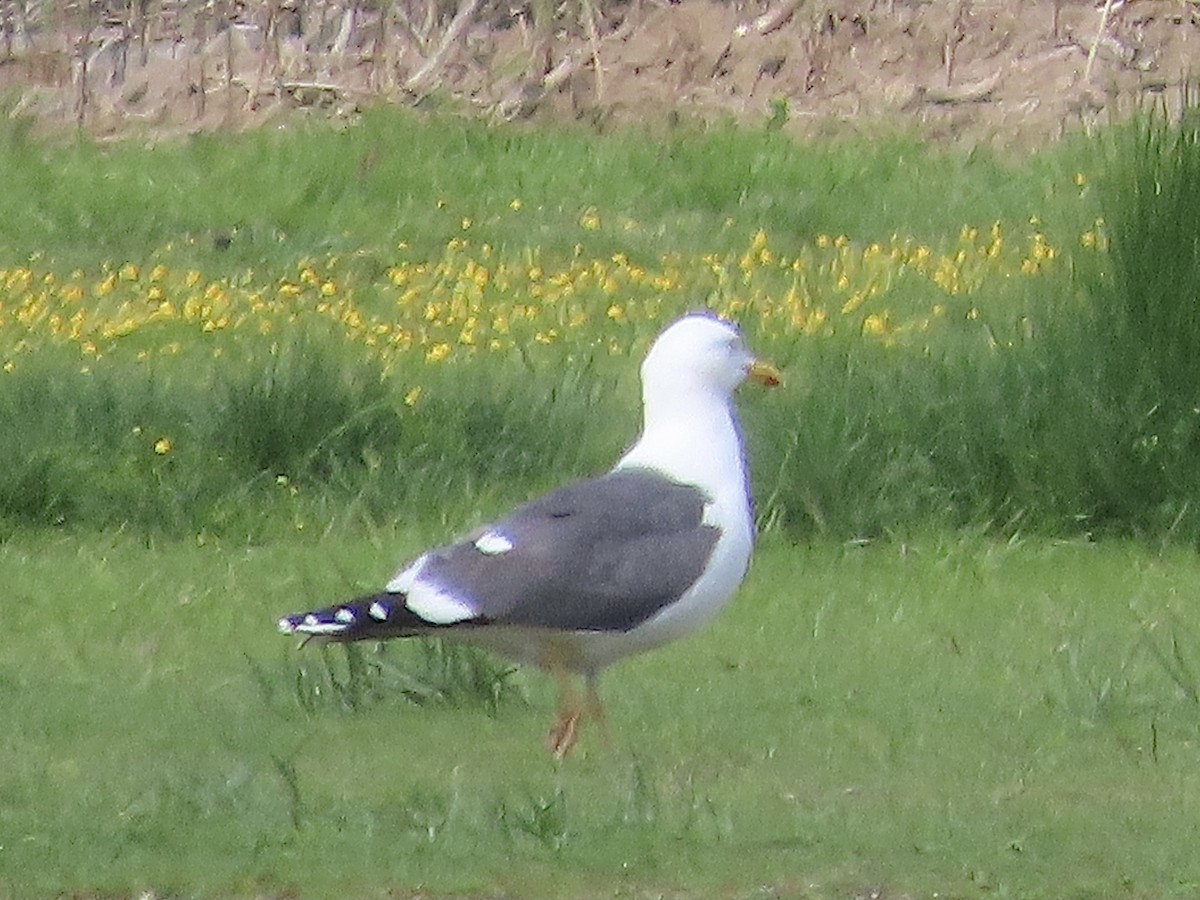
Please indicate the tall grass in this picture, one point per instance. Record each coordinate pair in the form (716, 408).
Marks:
(1081, 415)
(296, 438)
(1146, 317)
(1063, 404)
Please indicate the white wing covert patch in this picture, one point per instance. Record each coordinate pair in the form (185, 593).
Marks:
(427, 600)
(403, 580)
(436, 606)
(493, 543)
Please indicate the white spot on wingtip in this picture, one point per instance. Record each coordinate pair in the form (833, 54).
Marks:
(378, 611)
(493, 543)
(345, 615)
(311, 624)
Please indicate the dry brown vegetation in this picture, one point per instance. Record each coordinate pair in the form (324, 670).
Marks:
(980, 70)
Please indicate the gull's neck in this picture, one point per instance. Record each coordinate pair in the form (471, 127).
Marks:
(692, 437)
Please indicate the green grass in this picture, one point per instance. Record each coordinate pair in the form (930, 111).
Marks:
(988, 712)
(1061, 404)
(227, 201)
(960, 716)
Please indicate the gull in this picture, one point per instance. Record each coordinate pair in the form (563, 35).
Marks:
(604, 568)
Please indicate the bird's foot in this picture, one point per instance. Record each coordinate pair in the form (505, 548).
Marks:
(595, 711)
(563, 734)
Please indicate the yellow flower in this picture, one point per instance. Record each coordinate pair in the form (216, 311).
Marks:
(163, 446)
(857, 299)
(437, 352)
(875, 324)
(515, 205)
(9, 366)
(413, 395)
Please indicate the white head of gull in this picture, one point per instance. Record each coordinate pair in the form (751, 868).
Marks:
(604, 568)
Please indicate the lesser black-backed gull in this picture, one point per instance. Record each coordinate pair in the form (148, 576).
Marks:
(604, 568)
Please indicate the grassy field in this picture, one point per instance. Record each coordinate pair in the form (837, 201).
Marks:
(959, 717)
(213, 316)
(243, 375)
(316, 310)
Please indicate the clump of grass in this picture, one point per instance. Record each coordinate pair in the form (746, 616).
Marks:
(100, 448)
(888, 440)
(1153, 220)
(1136, 340)
(303, 413)
(1177, 654)
(539, 816)
(353, 678)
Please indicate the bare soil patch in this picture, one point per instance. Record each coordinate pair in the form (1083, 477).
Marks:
(976, 71)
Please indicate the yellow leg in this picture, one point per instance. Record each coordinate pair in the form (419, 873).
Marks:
(595, 709)
(573, 708)
(564, 732)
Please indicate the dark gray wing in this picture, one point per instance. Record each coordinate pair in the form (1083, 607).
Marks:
(604, 554)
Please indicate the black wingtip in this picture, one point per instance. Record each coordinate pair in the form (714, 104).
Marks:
(377, 617)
